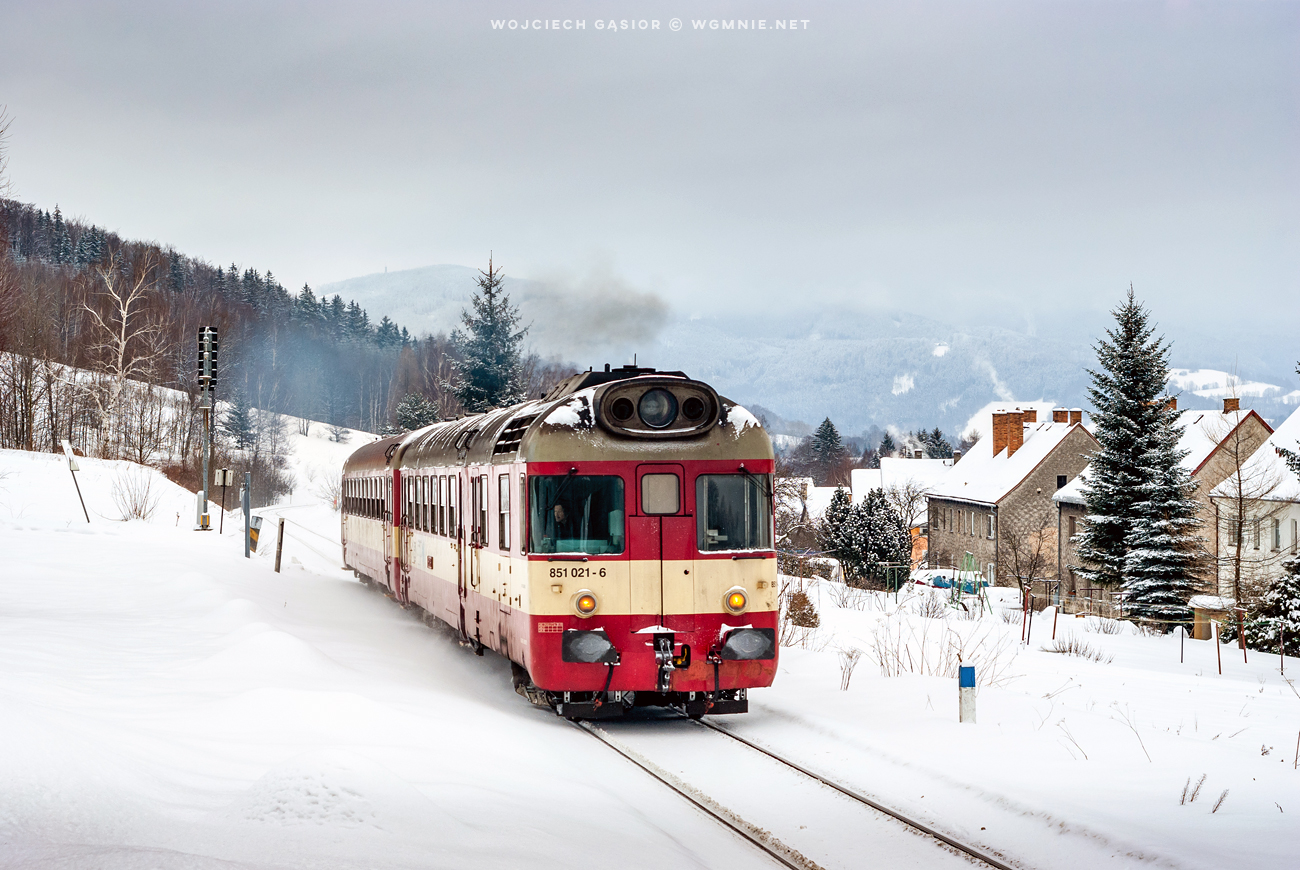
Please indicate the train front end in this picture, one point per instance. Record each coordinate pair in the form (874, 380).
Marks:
(651, 565)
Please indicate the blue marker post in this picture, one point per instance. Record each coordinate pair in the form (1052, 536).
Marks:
(966, 693)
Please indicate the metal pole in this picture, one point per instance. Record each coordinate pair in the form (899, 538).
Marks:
(73, 471)
(248, 506)
(1218, 652)
(1241, 632)
(279, 545)
(221, 530)
(207, 440)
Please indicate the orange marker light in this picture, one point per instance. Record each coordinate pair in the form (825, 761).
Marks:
(736, 600)
(585, 603)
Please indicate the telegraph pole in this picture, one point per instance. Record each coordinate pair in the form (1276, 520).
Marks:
(207, 386)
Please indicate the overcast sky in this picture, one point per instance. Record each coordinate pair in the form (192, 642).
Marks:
(955, 158)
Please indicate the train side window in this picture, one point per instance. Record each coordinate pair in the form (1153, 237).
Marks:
(453, 498)
(571, 513)
(424, 511)
(503, 512)
(660, 494)
(733, 512)
(483, 510)
(442, 505)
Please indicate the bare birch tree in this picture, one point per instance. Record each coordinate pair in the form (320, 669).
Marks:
(127, 343)
(1027, 547)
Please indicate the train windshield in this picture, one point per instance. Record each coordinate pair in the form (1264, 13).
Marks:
(574, 513)
(733, 512)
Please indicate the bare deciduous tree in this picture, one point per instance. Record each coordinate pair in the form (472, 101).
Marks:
(1026, 547)
(909, 500)
(127, 342)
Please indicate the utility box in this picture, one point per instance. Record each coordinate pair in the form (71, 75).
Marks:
(254, 529)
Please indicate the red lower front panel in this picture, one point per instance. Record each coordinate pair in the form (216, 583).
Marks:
(638, 670)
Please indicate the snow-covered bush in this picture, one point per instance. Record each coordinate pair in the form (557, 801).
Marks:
(133, 494)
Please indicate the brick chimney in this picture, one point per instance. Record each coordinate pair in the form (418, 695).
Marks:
(918, 454)
(956, 457)
(1076, 416)
(1060, 415)
(1031, 415)
(1231, 405)
(1015, 432)
(999, 432)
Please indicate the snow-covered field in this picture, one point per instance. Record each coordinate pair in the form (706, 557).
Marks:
(167, 703)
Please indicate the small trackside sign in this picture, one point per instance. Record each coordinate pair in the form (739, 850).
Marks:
(550, 628)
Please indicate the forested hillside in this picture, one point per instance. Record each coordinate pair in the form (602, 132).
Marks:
(85, 314)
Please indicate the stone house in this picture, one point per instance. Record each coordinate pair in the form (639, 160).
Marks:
(1215, 443)
(996, 502)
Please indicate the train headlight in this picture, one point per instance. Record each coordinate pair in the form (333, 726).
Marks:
(585, 602)
(658, 408)
(749, 644)
(736, 600)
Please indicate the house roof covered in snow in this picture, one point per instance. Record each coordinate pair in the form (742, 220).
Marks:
(1204, 431)
(984, 477)
(1267, 464)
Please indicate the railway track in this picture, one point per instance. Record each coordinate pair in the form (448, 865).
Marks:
(799, 818)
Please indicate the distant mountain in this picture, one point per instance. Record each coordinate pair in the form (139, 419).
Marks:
(860, 369)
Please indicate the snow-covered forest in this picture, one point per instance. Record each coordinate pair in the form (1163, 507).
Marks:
(87, 317)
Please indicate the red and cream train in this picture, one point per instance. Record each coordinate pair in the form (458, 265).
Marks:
(613, 540)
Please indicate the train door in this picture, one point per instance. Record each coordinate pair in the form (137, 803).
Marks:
(456, 483)
(386, 519)
(405, 530)
(668, 540)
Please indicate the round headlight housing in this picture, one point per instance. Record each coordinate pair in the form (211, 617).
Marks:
(693, 408)
(622, 409)
(585, 603)
(658, 408)
(735, 601)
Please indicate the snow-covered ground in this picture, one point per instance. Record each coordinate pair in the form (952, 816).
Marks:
(167, 703)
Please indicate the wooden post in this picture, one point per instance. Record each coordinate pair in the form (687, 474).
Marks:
(1281, 650)
(1055, 613)
(1182, 638)
(1241, 632)
(279, 545)
(1218, 653)
(1029, 630)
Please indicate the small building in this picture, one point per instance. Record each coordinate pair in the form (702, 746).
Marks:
(1212, 442)
(996, 502)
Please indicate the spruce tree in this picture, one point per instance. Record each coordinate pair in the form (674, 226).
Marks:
(828, 452)
(887, 540)
(415, 412)
(842, 535)
(1276, 620)
(887, 445)
(490, 371)
(237, 423)
(1140, 530)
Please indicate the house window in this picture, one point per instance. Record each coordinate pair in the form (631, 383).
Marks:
(1073, 528)
(990, 574)
(992, 526)
(1294, 532)
(1257, 524)
(1061, 480)
(1277, 534)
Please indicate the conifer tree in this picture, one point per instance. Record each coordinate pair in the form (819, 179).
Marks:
(828, 452)
(1276, 620)
(842, 535)
(415, 412)
(887, 445)
(61, 241)
(237, 422)
(1140, 529)
(491, 371)
(887, 540)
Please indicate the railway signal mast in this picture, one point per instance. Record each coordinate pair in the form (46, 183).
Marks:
(207, 387)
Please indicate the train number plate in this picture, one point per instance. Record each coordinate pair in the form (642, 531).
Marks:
(550, 628)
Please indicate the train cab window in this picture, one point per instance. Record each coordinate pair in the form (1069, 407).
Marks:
(733, 512)
(572, 513)
(503, 511)
(660, 494)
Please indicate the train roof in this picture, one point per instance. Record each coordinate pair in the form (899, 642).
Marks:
(569, 424)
